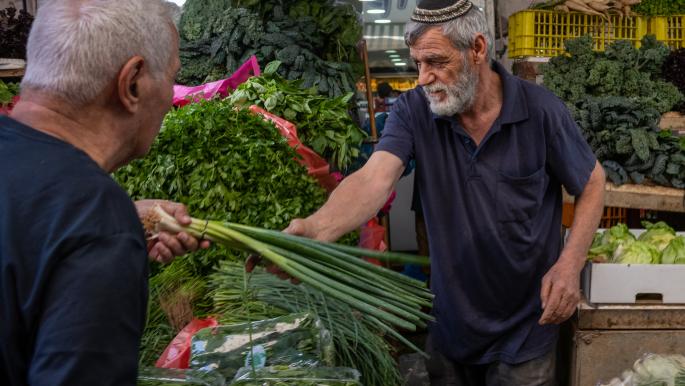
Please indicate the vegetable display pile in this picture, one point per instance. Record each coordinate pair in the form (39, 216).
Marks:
(591, 7)
(224, 164)
(323, 124)
(357, 339)
(14, 32)
(658, 244)
(389, 298)
(660, 7)
(617, 98)
(674, 71)
(7, 92)
(315, 41)
(621, 70)
(627, 141)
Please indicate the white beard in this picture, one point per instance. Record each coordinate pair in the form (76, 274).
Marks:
(459, 96)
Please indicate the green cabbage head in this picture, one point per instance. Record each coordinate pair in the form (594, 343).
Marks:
(638, 252)
(674, 253)
(659, 234)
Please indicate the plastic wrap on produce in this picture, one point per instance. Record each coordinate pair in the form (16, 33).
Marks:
(653, 370)
(152, 376)
(284, 375)
(291, 340)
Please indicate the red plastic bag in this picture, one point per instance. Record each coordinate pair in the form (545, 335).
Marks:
(177, 353)
(317, 167)
(372, 236)
(184, 94)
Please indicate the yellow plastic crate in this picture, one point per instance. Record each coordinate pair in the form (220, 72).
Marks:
(543, 33)
(669, 29)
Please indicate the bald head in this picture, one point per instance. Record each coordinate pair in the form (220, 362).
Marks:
(77, 47)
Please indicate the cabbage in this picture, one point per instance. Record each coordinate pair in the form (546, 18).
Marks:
(617, 234)
(674, 253)
(659, 234)
(605, 244)
(637, 252)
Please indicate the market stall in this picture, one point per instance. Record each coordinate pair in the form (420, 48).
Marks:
(617, 66)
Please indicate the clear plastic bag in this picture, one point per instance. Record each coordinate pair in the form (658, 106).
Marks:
(152, 376)
(293, 376)
(653, 370)
(296, 340)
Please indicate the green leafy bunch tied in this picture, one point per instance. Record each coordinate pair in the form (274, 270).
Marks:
(621, 70)
(323, 124)
(225, 164)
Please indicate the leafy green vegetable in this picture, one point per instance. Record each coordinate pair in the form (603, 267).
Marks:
(673, 70)
(621, 70)
(658, 235)
(14, 32)
(324, 124)
(674, 253)
(604, 244)
(637, 252)
(660, 7)
(358, 341)
(7, 92)
(315, 41)
(223, 164)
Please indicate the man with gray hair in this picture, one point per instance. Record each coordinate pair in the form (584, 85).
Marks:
(492, 153)
(73, 256)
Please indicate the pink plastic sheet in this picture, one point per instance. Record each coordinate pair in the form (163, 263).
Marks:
(221, 88)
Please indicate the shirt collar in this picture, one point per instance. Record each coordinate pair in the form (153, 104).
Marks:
(514, 106)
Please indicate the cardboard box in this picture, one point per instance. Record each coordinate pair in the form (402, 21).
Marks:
(632, 283)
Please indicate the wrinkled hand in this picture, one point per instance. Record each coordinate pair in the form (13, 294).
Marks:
(560, 293)
(166, 246)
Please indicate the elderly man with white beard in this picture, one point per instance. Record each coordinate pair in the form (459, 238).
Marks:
(492, 154)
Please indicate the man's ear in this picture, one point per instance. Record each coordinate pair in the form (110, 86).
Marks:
(128, 83)
(479, 49)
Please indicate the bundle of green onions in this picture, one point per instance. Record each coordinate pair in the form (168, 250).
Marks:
(385, 296)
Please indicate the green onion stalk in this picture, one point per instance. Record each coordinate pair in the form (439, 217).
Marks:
(384, 296)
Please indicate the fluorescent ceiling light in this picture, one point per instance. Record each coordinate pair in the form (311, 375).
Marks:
(395, 60)
(382, 21)
(366, 0)
(394, 55)
(399, 64)
(375, 11)
(390, 51)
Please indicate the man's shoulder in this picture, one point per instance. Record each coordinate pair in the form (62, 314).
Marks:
(539, 98)
(412, 105)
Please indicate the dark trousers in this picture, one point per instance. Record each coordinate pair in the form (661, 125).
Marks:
(444, 372)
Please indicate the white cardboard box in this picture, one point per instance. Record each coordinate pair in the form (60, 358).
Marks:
(628, 283)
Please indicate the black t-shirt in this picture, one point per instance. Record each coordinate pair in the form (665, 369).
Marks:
(73, 266)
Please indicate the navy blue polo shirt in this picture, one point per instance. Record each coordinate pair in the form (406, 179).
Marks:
(493, 215)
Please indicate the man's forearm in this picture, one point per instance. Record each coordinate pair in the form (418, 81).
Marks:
(348, 208)
(588, 212)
